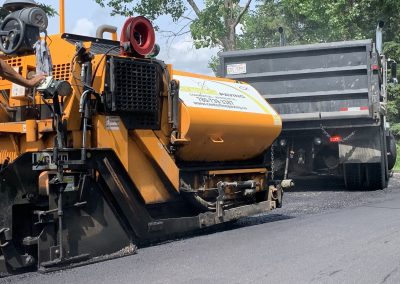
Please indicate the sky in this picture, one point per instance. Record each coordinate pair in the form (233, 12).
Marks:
(84, 16)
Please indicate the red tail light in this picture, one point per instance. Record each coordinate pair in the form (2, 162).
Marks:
(335, 139)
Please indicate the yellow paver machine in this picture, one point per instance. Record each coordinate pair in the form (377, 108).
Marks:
(116, 148)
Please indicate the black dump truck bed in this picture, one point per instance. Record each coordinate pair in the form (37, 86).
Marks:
(317, 82)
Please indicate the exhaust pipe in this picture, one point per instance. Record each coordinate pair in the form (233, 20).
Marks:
(107, 28)
(282, 37)
(378, 40)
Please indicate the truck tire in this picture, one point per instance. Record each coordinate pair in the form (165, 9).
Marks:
(376, 176)
(353, 177)
(391, 151)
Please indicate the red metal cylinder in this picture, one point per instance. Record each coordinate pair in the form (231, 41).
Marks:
(139, 33)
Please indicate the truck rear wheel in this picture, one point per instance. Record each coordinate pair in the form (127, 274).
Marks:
(375, 176)
(353, 176)
(365, 176)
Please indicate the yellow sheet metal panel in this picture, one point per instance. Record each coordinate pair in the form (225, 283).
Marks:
(13, 127)
(111, 133)
(223, 120)
(157, 151)
(31, 130)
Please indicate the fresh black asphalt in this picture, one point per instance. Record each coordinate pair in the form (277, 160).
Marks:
(322, 234)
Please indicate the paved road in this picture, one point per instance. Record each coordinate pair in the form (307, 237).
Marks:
(320, 236)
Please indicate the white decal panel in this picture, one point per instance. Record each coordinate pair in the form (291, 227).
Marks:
(223, 95)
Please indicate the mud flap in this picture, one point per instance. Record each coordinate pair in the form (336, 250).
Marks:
(364, 147)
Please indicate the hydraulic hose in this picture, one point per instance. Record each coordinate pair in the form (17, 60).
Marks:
(83, 110)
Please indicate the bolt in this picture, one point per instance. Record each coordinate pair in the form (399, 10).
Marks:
(29, 259)
(30, 196)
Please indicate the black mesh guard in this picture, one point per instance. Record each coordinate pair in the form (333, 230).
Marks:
(134, 91)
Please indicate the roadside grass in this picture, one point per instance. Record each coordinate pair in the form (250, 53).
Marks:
(397, 165)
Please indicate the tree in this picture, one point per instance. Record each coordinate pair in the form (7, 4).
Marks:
(210, 25)
(312, 21)
(321, 20)
(260, 26)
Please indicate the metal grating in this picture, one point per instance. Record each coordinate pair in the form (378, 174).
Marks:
(135, 86)
(14, 62)
(101, 48)
(98, 45)
(135, 90)
(62, 71)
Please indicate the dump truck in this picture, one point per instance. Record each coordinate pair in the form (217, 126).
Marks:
(116, 149)
(332, 98)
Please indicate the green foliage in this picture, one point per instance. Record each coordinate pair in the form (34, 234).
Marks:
(208, 28)
(324, 21)
(397, 165)
(394, 104)
(50, 11)
(311, 21)
(150, 9)
(261, 26)
(392, 51)
(214, 64)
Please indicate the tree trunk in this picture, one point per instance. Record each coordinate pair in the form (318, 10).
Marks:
(229, 21)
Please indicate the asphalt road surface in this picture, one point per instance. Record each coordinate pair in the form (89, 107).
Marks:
(322, 235)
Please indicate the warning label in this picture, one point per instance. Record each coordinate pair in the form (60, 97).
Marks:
(112, 122)
(234, 69)
(17, 91)
(195, 92)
